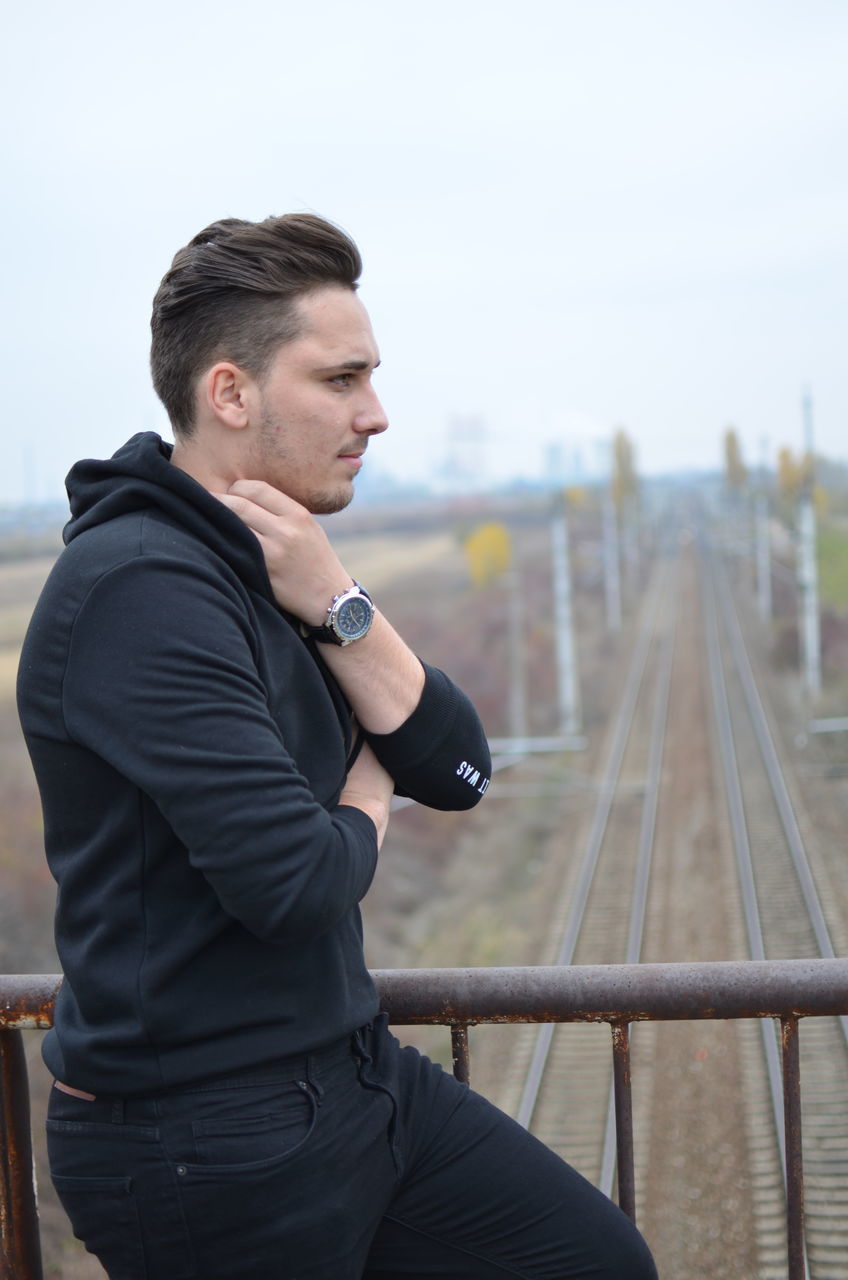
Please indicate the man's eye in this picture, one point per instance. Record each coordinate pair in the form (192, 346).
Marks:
(342, 379)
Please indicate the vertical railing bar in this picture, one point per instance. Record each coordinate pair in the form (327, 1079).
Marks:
(20, 1246)
(624, 1118)
(794, 1156)
(460, 1051)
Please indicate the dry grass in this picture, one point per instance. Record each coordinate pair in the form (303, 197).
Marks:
(8, 672)
(20, 584)
(21, 580)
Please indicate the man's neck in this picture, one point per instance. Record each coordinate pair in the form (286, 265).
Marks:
(203, 465)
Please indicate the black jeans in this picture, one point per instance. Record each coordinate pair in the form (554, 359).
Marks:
(362, 1160)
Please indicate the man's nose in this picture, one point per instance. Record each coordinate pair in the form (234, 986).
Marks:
(371, 417)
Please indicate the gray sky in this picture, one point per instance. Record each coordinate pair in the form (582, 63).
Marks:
(574, 216)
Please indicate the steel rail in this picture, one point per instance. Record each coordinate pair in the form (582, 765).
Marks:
(744, 861)
(606, 793)
(825, 1230)
(777, 780)
(614, 1131)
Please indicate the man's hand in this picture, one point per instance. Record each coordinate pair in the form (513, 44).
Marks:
(380, 677)
(370, 789)
(304, 569)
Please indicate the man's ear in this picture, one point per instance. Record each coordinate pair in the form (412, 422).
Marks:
(227, 390)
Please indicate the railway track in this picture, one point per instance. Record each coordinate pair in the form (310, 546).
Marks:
(566, 1097)
(612, 911)
(785, 919)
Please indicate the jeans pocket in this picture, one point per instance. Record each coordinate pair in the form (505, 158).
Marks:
(248, 1198)
(253, 1140)
(104, 1216)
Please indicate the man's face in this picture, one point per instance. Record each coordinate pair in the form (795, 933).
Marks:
(317, 407)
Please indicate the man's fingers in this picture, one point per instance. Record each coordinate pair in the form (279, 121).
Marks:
(263, 515)
(265, 495)
(303, 567)
(246, 511)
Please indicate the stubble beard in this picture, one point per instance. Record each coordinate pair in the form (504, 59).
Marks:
(317, 502)
(327, 504)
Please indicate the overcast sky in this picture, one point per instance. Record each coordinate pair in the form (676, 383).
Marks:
(574, 216)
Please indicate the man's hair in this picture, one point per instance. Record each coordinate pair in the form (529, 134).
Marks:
(232, 293)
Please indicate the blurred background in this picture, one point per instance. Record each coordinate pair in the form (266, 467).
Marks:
(573, 218)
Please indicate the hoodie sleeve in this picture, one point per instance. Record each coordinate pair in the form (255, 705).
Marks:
(439, 756)
(162, 682)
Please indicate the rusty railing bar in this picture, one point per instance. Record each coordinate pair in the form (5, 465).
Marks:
(20, 1245)
(617, 994)
(460, 1051)
(27, 1000)
(608, 993)
(796, 1246)
(624, 1118)
(617, 1158)
(556, 993)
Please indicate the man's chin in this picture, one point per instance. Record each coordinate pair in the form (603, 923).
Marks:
(327, 504)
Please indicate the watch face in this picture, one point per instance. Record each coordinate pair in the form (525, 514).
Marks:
(354, 618)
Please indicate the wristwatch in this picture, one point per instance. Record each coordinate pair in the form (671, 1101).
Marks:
(349, 618)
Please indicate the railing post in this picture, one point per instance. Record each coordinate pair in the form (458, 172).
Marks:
(460, 1051)
(794, 1156)
(624, 1118)
(20, 1248)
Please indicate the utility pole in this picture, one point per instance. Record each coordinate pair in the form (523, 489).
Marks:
(566, 649)
(763, 546)
(808, 585)
(517, 647)
(612, 578)
(630, 539)
(762, 535)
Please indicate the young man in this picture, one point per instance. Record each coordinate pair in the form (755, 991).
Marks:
(218, 715)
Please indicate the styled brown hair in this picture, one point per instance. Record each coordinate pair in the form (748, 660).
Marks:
(231, 294)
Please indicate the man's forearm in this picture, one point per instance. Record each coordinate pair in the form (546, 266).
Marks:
(369, 788)
(379, 675)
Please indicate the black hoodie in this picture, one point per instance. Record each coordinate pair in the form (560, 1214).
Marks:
(190, 749)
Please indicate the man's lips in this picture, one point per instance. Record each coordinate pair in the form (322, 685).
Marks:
(353, 457)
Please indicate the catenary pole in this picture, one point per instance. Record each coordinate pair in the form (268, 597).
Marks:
(808, 586)
(763, 543)
(612, 576)
(518, 727)
(566, 648)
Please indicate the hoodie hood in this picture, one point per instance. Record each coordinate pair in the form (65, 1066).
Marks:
(140, 477)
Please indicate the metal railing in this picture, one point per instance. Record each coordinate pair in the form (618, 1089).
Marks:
(786, 990)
